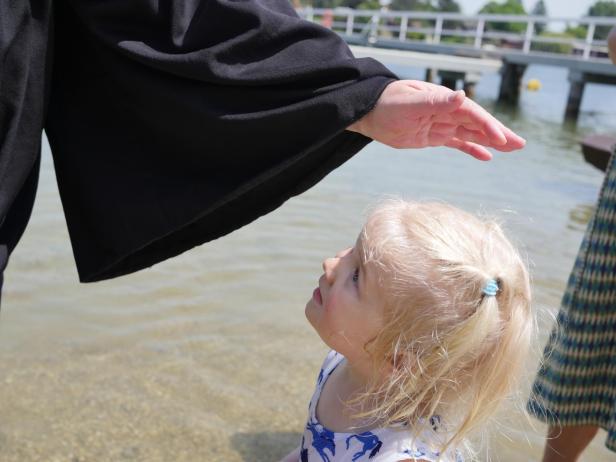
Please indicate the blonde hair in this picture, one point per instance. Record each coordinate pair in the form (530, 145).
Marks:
(448, 349)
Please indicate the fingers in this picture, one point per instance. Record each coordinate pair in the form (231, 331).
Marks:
(448, 131)
(477, 119)
(485, 121)
(514, 141)
(459, 132)
(456, 99)
(475, 150)
(485, 128)
(432, 100)
(441, 100)
(438, 116)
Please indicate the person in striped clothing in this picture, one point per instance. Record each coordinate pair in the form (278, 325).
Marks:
(575, 388)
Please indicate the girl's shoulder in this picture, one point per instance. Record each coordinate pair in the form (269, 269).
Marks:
(402, 443)
(332, 359)
(386, 444)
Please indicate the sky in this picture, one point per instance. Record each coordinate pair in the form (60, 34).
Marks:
(560, 8)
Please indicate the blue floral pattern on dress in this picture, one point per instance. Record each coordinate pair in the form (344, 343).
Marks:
(320, 444)
(322, 440)
(370, 442)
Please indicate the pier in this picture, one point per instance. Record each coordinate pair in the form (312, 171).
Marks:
(457, 68)
(459, 48)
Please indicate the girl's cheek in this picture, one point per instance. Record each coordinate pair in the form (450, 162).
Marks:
(329, 305)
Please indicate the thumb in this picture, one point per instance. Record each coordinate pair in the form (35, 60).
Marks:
(443, 101)
(454, 100)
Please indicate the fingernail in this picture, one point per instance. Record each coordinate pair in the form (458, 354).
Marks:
(454, 95)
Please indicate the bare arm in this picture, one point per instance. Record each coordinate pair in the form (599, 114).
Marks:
(293, 456)
(414, 114)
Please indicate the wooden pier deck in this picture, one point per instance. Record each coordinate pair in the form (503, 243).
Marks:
(449, 68)
(393, 37)
(429, 60)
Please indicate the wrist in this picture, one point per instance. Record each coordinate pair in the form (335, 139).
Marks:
(359, 126)
(364, 126)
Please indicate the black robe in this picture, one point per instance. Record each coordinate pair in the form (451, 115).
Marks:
(171, 123)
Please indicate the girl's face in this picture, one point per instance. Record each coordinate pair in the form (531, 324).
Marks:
(346, 308)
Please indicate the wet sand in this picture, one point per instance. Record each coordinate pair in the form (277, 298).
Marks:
(207, 357)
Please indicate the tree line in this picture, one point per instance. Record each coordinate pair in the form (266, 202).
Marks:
(515, 7)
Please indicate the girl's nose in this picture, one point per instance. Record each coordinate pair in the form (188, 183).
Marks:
(329, 265)
(344, 253)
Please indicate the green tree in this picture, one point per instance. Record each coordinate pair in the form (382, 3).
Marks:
(323, 3)
(451, 6)
(539, 10)
(602, 8)
(367, 5)
(507, 7)
(356, 4)
(411, 5)
(578, 32)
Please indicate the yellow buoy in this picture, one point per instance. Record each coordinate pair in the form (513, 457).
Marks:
(533, 85)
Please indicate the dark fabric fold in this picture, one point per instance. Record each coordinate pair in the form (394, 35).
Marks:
(173, 123)
(25, 55)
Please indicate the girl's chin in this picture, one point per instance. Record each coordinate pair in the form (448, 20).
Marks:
(311, 313)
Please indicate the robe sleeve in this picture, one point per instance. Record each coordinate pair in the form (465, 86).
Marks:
(174, 123)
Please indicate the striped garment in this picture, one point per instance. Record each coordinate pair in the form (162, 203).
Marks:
(576, 384)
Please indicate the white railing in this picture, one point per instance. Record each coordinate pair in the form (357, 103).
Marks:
(461, 30)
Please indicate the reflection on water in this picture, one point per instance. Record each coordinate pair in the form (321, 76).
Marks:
(208, 356)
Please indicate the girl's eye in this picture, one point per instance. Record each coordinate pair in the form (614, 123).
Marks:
(356, 275)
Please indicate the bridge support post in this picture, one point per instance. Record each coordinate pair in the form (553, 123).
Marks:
(450, 79)
(430, 74)
(511, 79)
(576, 92)
(470, 80)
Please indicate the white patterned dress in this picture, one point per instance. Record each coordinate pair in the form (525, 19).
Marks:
(393, 444)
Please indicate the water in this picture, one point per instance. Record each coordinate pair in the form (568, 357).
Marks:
(208, 356)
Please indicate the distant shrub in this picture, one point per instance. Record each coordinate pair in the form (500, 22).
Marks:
(577, 32)
(508, 7)
(454, 39)
(415, 36)
(562, 48)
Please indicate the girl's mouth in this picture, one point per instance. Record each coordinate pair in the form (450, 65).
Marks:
(316, 295)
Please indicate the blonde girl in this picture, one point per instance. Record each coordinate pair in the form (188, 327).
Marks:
(428, 318)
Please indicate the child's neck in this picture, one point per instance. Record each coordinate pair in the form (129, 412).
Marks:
(346, 382)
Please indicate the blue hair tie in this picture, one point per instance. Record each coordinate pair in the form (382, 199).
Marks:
(490, 288)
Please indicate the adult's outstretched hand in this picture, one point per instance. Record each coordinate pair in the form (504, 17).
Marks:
(415, 114)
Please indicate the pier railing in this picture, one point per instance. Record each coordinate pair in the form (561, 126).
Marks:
(464, 31)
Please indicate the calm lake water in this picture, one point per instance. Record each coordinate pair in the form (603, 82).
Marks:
(208, 357)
